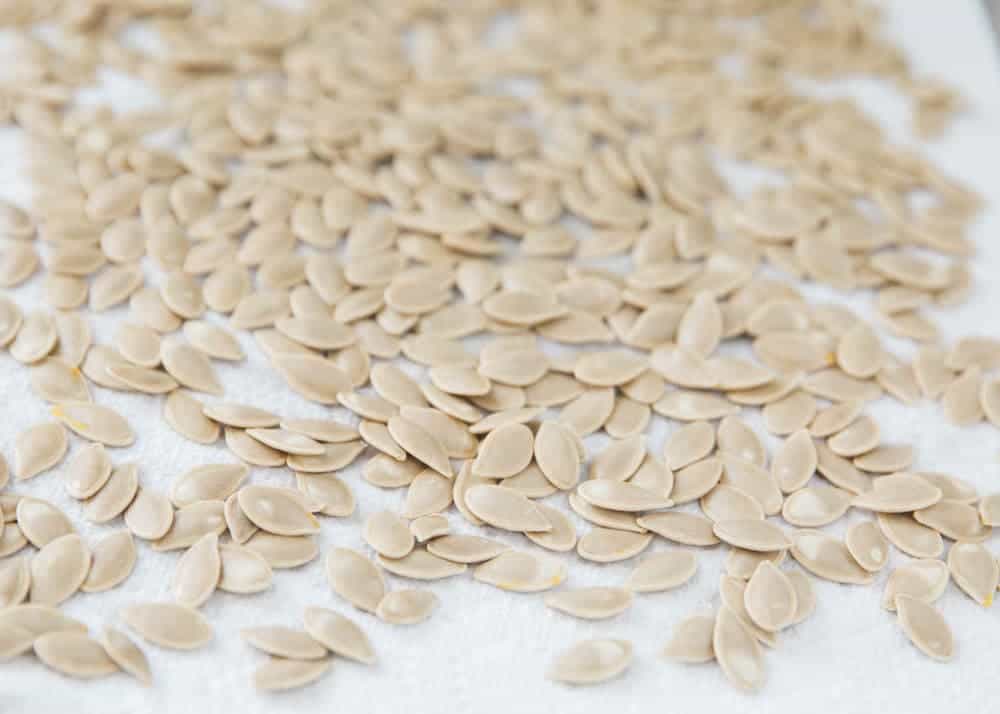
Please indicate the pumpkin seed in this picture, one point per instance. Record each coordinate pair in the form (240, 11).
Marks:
(355, 578)
(334, 457)
(618, 496)
(15, 579)
(11, 540)
(911, 537)
(276, 510)
(87, 471)
(925, 627)
(38, 449)
(689, 444)
(56, 381)
(789, 414)
(112, 561)
(596, 603)
(694, 481)
(958, 521)
(210, 482)
(427, 528)
(34, 339)
(243, 570)
(59, 569)
(419, 564)
(213, 341)
(859, 352)
(974, 570)
(283, 642)
(338, 634)
(38, 620)
(504, 452)
(124, 653)
(736, 438)
(737, 651)
(924, 579)
(191, 522)
(886, 458)
(329, 492)
(184, 414)
(835, 418)
(858, 438)
(315, 378)
(74, 654)
(812, 507)
(279, 674)
(770, 598)
(420, 444)
(751, 534)
(505, 509)
(168, 625)
(805, 596)
(605, 545)
(283, 551)
(588, 412)
(190, 368)
(662, 571)
(691, 641)
(684, 405)
(198, 571)
(827, 558)
(725, 502)
(561, 538)
(325, 430)
(795, 462)
(251, 451)
(754, 481)
(518, 571)
(388, 534)
(41, 522)
(407, 607)
(898, 493)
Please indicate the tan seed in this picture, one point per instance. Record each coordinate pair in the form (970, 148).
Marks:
(243, 570)
(751, 534)
(190, 367)
(112, 561)
(210, 482)
(974, 570)
(691, 641)
(334, 457)
(595, 603)
(74, 654)
(770, 598)
(911, 537)
(561, 538)
(41, 522)
(815, 506)
(191, 523)
(898, 493)
(313, 377)
(694, 481)
(87, 471)
(680, 527)
(126, 654)
(56, 381)
(333, 495)
(59, 569)
(34, 339)
(521, 572)
(277, 510)
(184, 415)
(407, 607)
(355, 578)
(250, 451)
(283, 551)
(736, 438)
(168, 625)
(691, 443)
(924, 579)
(278, 674)
(827, 558)
(283, 642)
(198, 570)
(15, 579)
(506, 509)
(858, 438)
(504, 452)
(427, 528)
(725, 503)
(925, 627)
(388, 534)
(38, 449)
(420, 444)
(662, 571)
(419, 564)
(737, 651)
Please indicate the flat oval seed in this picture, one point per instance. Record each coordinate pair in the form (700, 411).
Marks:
(506, 509)
(960, 400)
(596, 603)
(313, 377)
(41, 522)
(805, 596)
(87, 471)
(835, 418)
(116, 495)
(619, 460)
(691, 443)
(338, 634)
(184, 415)
(95, 422)
(191, 523)
(605, 545)
(126, 655)
(420, 444)
(332, 494)
(726, 503)
(751, 534)
(429, 493)
(685, 405)
(279, 674)
(975, 571)
(611, 368)
(859, 352)
(454, 436)
(755, 481)
(468, 549)
(35, 338)
(736, 438)
(562, 537)
(277, 510)
(168, 625)
(591, 662)
(38, 449)
(588, 412)
(812, 507)
(112, 561)
(243, 570)
(742, 564)
(355, 578)
(139, 345)
(694, 481)
(618, 496)
(190, 367)
(557, 455)
(56, 381)
(334, 456)
(59, 569)
(790, 413)
(209, 482)
(504, 452)
(898, 493)
(74, 654)
(407, 607)
(518, 571)
(737, 651)
(795, 462)
(388, 534)
(828, 558)
(14, 641)
(15, 579)
(198, 570)
(427, 528)
(912, 538)
(287, 441)
(691, 641)
(39, 619)
(150, 515)
(283, 642)
(925, 627)
(242, 416)
(858, 438)
(924, 579)
(213, 341)
(867, 545)
(770, 598)
(421, 565)
(680, 527)
(662, 571)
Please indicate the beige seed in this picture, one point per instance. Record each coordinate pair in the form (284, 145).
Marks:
(184, 415)
(911, 537)
(371, 407)
(420, 444)
(250, 451)
(561, 538)
(59, 569)
(198, 571)
(458, 380)
(150, 515)
(427, 528)
(608, 368)
(770, 598)
(691, 641)
(388, 534)
(691, 443)
(287, 441)
(393, 384)
(694, 481)
(213, 341)
(859, 352)
(974, 570)
(115, 496)
(39, 619)
(38, 449)
(240, 527)
(454, 436)
(283, 551)
(74, 654)
(805, 596)
(886, 458)
(283, 642)
(662, 571)
(789, 414)
(191, 523)
(126, 654)
(277, 510)
(428, 493)
(958, 521)
(737, 651)
(355, 578)
(751, 534)
(619, 460)
(210, 482)
(858, 438)
(112, 561)
(960, 399)
(840, 471)
(15, 579)
(595, 603)
(827, 558)
(515, 415)
(754, 481)
(10, 321)
(190, 367)
(87, 471)
(407, 607)
(725, 503)
(605, 545)
(41, 522)
(182, 294)
(736, 438)
(332, 495)
(504, 452)
(618, 496)
(588, 412)
(506, 509)
(925, 627)
(95, 422)
(795, 462)
(466, 549)
(557, 455)
(325, 430)
(313, 377)
(518, 571)
(338, 634)
(924, 579)
(279, 674)
(420, 564)
(56, 381)
(898, 493)
(168, 625)
(684, 405)
(815, 506)
(835, 418)
(989, 400)
(334, 457)
(243, 570)
(34, 339)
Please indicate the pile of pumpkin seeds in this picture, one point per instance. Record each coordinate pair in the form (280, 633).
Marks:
(538, 228)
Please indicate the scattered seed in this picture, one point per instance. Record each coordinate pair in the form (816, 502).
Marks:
(974, 570)
(691, 641)
(278, 674)
(521, 572)
(59, 569)
(112, 561)
(74, 654)
(737, 651)
(662, 571)
(40, 522)
(355, 578)
(124, 653)
(38, 449)
(827, 558)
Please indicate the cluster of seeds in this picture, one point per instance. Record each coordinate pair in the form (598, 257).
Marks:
(365, 185)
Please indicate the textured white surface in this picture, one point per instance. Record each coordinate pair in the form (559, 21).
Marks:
(485, 650)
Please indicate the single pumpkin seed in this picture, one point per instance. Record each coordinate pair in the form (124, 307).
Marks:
(974, 570)
(466, 549)
(858, 438)
(39, 619)
(736, 438)
(662, 571)
(115, 496)
(38, 449)
(691, 443)
(15, 579)
(694, 481)
(428, 493)
(191, 522)
(618, 496)
(743, 563)
(279, 674)
(753, 480)
(407, 607)
(277, 510)
(960, 399)
(504, 452)
(898, 493)
(795, 462)
(505, 509)
(334, 457)
(209, 482)
(751, 534)
(40, 522)
(355, 578)
(95, 422)
(190, 367)
(388, 534)
(925, 627)
(691, 641)
(420, 444)
(913, 538)
(124, 653)
(74, 654)
(815, 506)
(283, 642)
(454, 436)
(518, 571)
(835, 418)
(250, 451)
(588, 412)
(827, 558)
(56, 381)
(325, 430)
(605, 545)
(184, 415)
(112, 561)
(34, 339)
(198, 571)
(313, 377)
(168, 625)
(213, 341)
(561, 538)
(87, 471)
(685, 405)
(770, 598)
(283, 551)
(329, 492)
(386, 472)
(59, 569)
(419, 564)
(737, 651)
(886, 458)
(958, 521)
(595, 603)
(924, 579)
(427, 528)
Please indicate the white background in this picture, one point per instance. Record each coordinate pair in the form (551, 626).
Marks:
(485, 650)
